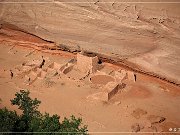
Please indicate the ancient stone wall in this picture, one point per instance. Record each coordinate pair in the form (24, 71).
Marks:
(87, 64)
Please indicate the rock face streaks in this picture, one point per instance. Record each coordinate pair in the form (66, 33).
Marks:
(145, 34)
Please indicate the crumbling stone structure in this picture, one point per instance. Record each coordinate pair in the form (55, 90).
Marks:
(109, 90)
(112, 87)
(55, 65)
(131, 76)
(68, 68)
(120, 75)
(87, 63)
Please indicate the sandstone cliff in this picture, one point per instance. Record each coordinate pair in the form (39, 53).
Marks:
(145, 34)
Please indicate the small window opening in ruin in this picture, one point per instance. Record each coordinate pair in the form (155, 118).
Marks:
(135, 77)
(100, 62)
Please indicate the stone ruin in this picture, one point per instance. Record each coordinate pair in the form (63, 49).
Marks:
(112, 84)
(110, 90)
(85, 63)
(33, 70)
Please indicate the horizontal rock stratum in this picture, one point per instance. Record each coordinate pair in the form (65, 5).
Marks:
(145, 34)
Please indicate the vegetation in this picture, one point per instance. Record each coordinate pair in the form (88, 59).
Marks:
(32, 121)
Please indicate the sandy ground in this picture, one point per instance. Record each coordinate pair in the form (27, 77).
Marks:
(143, 103)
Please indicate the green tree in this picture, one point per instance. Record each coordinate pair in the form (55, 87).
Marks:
(8, 120)
(29, 108)
(31, 120)
(26, 104)
(73, 125)
(45, 123)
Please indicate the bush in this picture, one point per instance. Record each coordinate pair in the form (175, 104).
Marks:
(31, 120)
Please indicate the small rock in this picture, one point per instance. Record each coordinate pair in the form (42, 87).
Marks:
(164, 89)
(117, 103)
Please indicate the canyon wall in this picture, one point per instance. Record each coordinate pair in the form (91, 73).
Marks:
(144, 34)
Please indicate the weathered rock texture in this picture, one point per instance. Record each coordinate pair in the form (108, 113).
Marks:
(146, 34)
